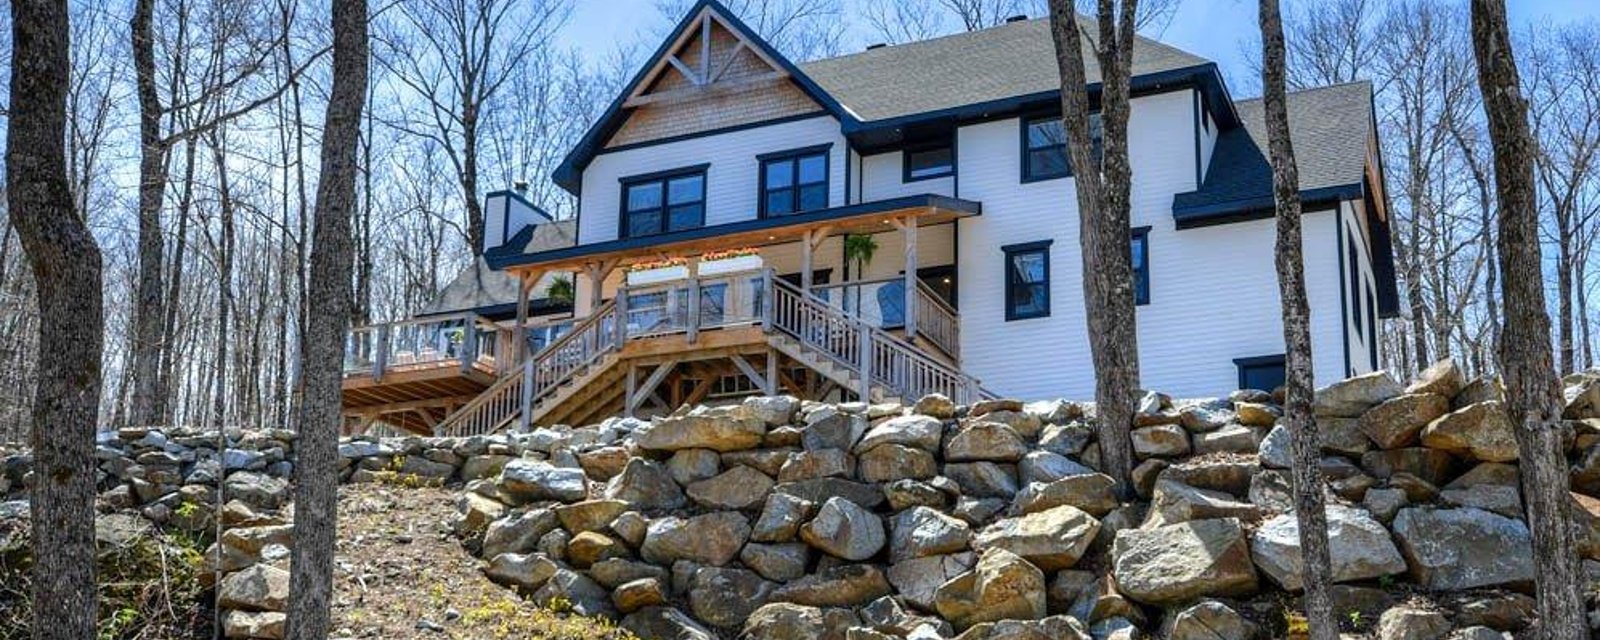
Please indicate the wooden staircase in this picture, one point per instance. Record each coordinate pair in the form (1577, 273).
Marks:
(579, 377)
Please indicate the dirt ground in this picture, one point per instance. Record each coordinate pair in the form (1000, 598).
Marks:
(401, 574)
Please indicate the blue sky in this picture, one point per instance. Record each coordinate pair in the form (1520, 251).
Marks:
(1216, 29)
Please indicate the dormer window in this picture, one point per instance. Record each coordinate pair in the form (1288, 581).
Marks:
(794, 181)
(663, 202)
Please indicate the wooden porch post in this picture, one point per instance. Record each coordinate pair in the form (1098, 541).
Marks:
(806, 248)
(520, 350)
(908, 226)
(692, 314)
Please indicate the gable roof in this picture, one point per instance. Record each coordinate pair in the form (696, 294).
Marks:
(1330, 127)
(487, 290)
(1004, 61)
(567, 174)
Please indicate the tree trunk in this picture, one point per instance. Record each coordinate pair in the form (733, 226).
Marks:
(66, 269)
(219, 400)
(148, 403)
(1309, 510)
(322, 345)
(1103, 220)
(1533, 394)
(1564, 292)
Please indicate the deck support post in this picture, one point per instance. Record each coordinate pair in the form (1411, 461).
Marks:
(767, 303)
(772, 371)
(692, 314)
(630, 389)
(469, 343)
(525, 419)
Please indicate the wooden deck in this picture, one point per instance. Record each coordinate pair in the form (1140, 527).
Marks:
(414, 397)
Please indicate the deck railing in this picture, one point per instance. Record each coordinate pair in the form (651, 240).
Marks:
(588, 341)
(937, 321)
(464, 338)
(878, 358)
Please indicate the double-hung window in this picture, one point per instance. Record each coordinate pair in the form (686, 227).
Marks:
(1044, 147)
(1027, 280)
(664, 202)
(794, 181)
(1139, 246)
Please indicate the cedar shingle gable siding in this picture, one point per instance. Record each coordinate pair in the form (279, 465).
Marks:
(772, 101)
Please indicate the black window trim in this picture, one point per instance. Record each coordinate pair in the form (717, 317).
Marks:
(1023, 148)
(1353, 255)
(905, 160)
(662, 177)
(1144, 233)
(826, 150)
(1011, 250)
(1279, 359)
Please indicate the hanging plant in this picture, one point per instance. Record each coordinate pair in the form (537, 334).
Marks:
(859, 249)
(562, 289)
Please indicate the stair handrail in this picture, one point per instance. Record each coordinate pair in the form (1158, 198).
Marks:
(937, 321)
(505, 399)
(855, 344)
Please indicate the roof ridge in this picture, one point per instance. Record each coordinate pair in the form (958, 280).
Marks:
(1305, 90)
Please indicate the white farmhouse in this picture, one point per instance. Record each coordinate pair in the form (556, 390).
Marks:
(888, 223)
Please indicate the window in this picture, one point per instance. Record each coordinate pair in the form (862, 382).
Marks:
(1372, 329)
(1044, 147)
(1140, 247)
(1355, 285)
(1027, 280)
(664, 202)
(1265, 373)
(929, 162)
(794, 181)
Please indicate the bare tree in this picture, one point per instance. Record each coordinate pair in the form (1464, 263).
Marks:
(1309, 511)
(65, 261)
(454, 57)
(1533, 393)
(322, 350)
(1104, 212)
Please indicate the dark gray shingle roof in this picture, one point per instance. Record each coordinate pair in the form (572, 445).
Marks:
(1005, 61)
(1330, 127)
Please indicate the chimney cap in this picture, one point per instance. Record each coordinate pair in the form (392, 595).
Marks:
(520, 186)
(1017, 18)
(879, 45)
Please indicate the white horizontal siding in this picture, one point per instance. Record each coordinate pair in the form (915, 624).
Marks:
(882, 178)
(1213, 289)
(732, 179)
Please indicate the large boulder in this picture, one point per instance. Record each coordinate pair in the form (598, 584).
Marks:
(1160, 441)
(1444, 378)
(922, 531)
(1359, 548)
(518, 532)
(1053, 539)
(576, 591)
(1002, 586)
(984, 440)
(1481, 431)
(1176, 563)
(845, 585)
(735, 489)
(1208, 620)
(1173, 502)
(1351, 397)
(919, 431)
(258, 588)
(918, 580)
(524, 480)
(1456, 549)
(889, 462)
(784, 620)
(645, 485)
(829, 428)
(666, 622)
(726, 597)
(712, 538)
(1396, 422)
(526, 572)
(1091, 492)
(844, 529)
(715, 429)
